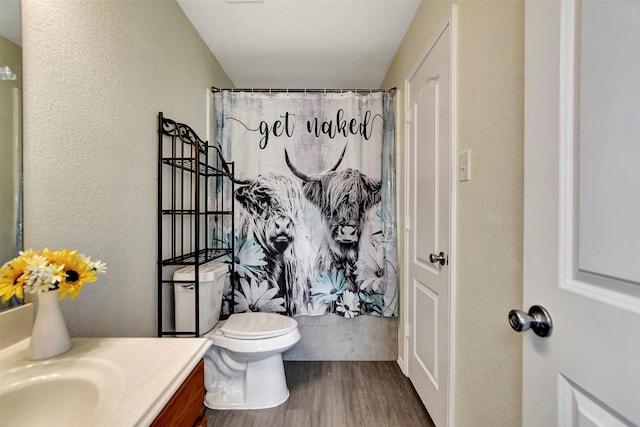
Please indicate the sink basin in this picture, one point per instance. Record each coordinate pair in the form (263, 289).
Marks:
(100, 382)
(66, 391)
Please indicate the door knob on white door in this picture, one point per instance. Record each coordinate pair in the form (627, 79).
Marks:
(538, 320)
(441, 258)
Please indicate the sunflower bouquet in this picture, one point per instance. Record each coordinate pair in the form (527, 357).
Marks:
(36, 272)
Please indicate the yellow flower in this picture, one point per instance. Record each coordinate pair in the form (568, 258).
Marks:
(37, 272)
(12, 277)
(76, 268)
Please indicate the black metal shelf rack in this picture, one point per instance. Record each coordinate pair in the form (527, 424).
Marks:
(195, 213)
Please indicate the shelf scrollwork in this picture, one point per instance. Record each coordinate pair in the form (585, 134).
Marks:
(184, 133)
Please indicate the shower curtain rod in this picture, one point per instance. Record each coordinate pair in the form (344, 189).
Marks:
(215, 89)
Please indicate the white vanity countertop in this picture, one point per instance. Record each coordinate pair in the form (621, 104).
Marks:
(153, 369)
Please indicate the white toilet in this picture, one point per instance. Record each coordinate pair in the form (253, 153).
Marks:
(243, 369)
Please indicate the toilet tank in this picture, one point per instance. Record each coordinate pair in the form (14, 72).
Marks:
(212, 276)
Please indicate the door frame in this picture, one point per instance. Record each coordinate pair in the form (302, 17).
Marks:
(450, 20)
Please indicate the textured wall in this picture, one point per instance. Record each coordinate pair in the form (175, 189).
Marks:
(488, 371)
(96, 73)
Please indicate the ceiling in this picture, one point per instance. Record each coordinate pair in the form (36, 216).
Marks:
(10, 20)
(302, 43)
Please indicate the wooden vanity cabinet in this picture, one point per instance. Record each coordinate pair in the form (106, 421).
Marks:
(186, 406)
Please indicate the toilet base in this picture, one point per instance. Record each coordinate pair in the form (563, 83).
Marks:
(234, 401)
(262, 386)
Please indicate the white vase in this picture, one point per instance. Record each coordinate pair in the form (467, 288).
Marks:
(50, 336)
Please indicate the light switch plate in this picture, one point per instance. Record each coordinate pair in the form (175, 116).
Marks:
(464, 166)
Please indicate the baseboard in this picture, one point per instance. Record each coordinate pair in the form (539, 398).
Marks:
(403, 367)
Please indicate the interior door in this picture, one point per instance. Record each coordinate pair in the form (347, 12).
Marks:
(582, 212)
(429, 164)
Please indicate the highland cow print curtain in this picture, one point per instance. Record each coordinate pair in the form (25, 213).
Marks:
(315, 224)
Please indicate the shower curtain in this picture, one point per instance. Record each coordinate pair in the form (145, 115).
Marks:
(315, 226)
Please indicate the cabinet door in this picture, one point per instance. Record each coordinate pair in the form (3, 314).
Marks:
(185, 407)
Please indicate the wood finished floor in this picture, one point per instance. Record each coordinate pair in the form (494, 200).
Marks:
(337, 394)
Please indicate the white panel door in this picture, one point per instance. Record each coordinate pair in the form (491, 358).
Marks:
(582, 212)
(429, 157)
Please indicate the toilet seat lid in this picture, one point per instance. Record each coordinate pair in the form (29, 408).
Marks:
(248, 326)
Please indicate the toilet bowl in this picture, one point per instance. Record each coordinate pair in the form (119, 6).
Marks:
(243, 369)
